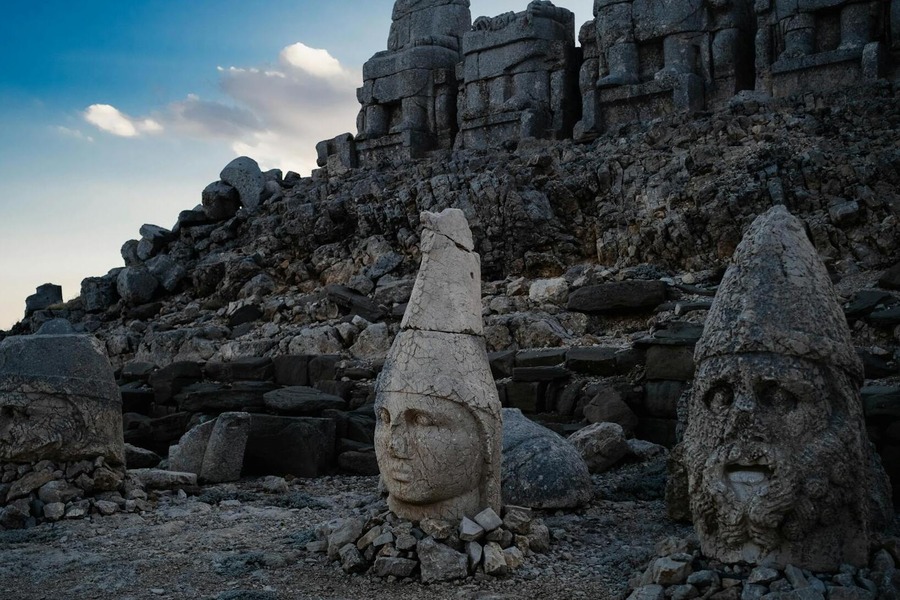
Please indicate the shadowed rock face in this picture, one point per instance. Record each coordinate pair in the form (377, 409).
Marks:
(779, 468)
(58, 401)
(438, 431)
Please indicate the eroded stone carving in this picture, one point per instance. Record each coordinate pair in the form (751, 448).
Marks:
(520, 77)
(438, 432)
(778, 465)
(58, 401)
(806, 45)
(647, 58)
(409, 91)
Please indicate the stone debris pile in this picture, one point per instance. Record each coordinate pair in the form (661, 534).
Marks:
(434, 550)
(681, 572)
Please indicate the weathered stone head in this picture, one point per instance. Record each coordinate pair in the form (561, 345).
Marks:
(429, 22)
(779, 466)
(438, 431)
(58, 401)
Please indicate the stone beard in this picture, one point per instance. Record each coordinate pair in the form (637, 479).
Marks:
(44, 426)
(775, 461)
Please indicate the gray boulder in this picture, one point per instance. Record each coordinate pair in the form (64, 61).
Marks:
(243, 174)
(44, 297)
(221, 201)
(99, 293)
(136, 285)
(541, 469)
(213, 450)
(166, 271)
(601, 445)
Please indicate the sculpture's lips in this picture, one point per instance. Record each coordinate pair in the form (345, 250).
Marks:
(748, 480)
(401, 474)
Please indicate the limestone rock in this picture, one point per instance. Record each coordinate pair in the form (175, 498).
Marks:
(243, 174)
(440, 563)
(553, 291)
(775, 421)
(540, 468)
(601, 445)
(157, 479)
(437, 435)
(59, 399)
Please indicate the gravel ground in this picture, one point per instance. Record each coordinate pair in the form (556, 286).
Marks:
(237, 538)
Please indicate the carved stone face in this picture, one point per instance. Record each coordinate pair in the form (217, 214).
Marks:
(772, 453)
(429, 449)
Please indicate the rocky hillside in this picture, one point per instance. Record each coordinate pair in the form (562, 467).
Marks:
(608, 252)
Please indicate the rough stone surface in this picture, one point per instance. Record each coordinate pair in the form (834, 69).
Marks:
(437, 434)
(540, 468)
(59, 400)
(44, 297)
(136, 285)
(440, 563)
(243, 174)
(775, 434)
(601, 445)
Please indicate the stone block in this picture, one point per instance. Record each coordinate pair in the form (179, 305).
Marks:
(291, 369)
(299, 446)
(618, 296)
(242, 369)
(547, 357)
(302, 401)
(670, 362)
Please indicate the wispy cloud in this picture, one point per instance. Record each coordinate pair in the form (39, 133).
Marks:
(276, 114)
(74, 133)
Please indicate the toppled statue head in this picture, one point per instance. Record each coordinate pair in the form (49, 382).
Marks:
(779, 466)
(58, 400)
(438, 431)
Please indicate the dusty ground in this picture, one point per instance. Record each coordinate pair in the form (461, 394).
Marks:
(238, 537)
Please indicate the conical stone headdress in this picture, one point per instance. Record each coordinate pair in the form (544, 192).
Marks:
(777, 298)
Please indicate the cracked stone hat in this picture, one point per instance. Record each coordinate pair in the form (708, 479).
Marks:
(777, 298)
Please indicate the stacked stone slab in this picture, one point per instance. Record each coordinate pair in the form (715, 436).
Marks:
(409, 91)
(648, 58)
(519, 77)
(807, 45)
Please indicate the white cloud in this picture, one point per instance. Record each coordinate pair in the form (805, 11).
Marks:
(111, 120)
(314, 61)
(274, 113)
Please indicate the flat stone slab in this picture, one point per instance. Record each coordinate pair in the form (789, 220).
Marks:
(302, 400)
(158, 479)
(618, 296)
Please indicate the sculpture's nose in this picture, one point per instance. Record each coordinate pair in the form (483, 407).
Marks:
(398, 443)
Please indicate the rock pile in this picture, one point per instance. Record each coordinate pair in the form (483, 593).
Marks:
(51, 490)
(434, 550)
(680, 572)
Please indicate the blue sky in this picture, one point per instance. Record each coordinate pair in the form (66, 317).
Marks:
(117, 113)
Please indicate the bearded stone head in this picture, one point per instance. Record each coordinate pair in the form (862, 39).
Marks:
(778, 464)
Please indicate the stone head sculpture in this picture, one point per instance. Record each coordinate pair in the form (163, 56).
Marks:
(438, 431)
(778, 463)
(58, 401)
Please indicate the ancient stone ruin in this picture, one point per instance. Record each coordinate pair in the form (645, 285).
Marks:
(648, 58)
(821, 44)
(778, 467)
(520, 74)
(409, 91)
(438, 434)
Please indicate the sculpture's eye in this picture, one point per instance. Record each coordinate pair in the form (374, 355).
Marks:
(719, 397)
(423, 420)
(385, 416)
(772, 395)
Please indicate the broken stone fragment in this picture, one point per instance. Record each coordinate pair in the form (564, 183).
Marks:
(440, 563)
